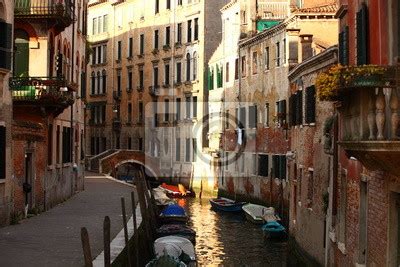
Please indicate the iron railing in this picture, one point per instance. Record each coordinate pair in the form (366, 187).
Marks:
(61, 10)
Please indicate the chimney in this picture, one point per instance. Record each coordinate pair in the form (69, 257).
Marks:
(306, 50)
(293, 41)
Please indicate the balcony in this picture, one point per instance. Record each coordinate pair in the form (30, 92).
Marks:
(154, 90)
(369, 111)
(117, 95)
(58, 13)
(52, 93)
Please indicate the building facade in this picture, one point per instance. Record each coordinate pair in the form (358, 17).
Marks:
(365, 200)
(6, 30)
(310, 159)
(146, 81)
(46, 89)
(259, 102)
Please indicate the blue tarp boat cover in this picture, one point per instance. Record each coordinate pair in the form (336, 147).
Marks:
(174, 210)
(273, 227)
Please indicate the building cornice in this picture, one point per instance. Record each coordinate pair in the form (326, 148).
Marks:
(341, 12)
(323, 59)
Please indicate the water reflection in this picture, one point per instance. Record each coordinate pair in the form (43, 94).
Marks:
(228, 239)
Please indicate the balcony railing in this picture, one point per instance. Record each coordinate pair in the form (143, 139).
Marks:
(59, 11)
(42, 91)
(273, 10)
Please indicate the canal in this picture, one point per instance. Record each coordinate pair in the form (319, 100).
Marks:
(224, 239)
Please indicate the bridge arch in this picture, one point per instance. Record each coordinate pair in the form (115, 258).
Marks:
(148, 170)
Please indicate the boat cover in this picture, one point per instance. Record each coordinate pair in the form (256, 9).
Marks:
(173, 210)
(273, 227)
(161, 197)
(174, 246)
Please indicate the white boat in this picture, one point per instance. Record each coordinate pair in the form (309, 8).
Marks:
(257, 213)
(176, 247)
(161, 197)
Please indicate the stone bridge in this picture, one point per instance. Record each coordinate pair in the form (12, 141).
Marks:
(109, 164)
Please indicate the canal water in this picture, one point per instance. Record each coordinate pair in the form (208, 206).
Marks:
(225, 239)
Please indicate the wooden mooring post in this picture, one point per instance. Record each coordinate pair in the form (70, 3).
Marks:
(126, 231)
(135, 229)
(87, 254)
(106, 235)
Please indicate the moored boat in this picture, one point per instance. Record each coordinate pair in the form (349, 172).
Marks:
(255, 213)
(177, 230)
(165, 261)
(176, 191)
(274, 230)
(173, 213)
(175, 246)
(225, 204)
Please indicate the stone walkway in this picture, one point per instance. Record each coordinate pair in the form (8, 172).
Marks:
(53, 237)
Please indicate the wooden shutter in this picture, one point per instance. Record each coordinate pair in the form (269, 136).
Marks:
(5, 45)
(3, 152)
(292, 110)
(275, 166)
(362, 36)
(252, 116)
(263, 165)
(299, 107)
(282, 166)
(310, 104)
(243, 117)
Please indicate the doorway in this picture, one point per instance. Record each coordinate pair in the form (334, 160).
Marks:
(29, 183)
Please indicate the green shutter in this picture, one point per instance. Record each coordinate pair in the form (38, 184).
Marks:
(362, 31)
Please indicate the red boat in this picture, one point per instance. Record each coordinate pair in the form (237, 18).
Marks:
(176, 191)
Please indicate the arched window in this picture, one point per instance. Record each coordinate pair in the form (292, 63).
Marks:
(104, 74)
(21, 55)
(99, 84)
(93, 83)
(194, 66)
(187, 67)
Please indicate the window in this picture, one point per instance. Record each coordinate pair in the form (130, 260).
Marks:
(100, 24)
(196, 29)
(236, 69)
(140, 144)
(243, 69)
(189, 31)
(142, 44)
(278, 54)
(166, 110)
(178, 149)
(66, 143)
(105, 23)
(129, 143)
(255, 63)
(220, 69)
(178, 72)
(119, 54)
(187, 101)
(155, 76)
(93, 83)
(296, 108)
(187, 154)
(194, 145)
(267, 58)
(178, 109)
(168, 4)
(344, 46)
(253, 117)
(129, 113)
(210, 78)
(167, 35)
(281, 112)
(94, 58)
(195, 107)
(241, 163)
(156, 39)
(94, 30)
(141, 114)
(104, 81)
(130, 77)
(242, 122)
(194, 66)
(362, 35)
(267, 114)
(119, 81)
(227, 72)
(141, 77)
(179, 34)
(99, 55)
(58, 144)
(279, 166)
(157, 7)
(3, 158)
(99, 83)
(263, 165)
(130, 47)
(284, 51)
(254, 171)
(188, 67)
(179, 2)
(166, 74)
(310, 105)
